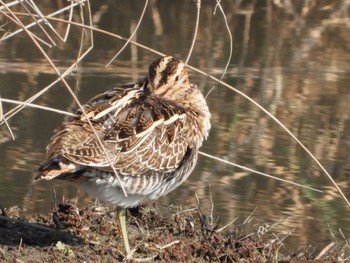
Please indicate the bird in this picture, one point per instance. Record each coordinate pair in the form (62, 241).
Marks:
(144, 142)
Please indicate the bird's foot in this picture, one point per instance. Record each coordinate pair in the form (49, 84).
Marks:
(129, 255)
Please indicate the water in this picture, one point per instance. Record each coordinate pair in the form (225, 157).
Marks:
(295, 66)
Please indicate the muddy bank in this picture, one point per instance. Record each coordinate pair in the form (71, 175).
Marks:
(71, 234)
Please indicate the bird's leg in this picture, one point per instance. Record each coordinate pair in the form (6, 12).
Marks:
(121, 216)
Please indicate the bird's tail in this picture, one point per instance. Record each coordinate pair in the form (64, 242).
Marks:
(57, 168)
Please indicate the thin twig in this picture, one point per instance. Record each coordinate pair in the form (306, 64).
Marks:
(343, 236)
(167, 245)
(20, 245)
(325, 250)
(47, 22)
(32, 105)
(260, 173)
(249, 217)
(69, 7)
(231, 43)
(198, 4)
(131, 36)
(35, 20)
(15, 20)
(3, 119)
(211, 206)
(330, 230)
(225, 226)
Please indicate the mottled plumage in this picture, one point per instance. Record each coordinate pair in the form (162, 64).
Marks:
(151, 131)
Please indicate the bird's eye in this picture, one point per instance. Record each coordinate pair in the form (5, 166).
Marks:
(177, 78)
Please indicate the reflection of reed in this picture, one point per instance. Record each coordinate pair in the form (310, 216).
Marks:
(5, 134)
(295, 104)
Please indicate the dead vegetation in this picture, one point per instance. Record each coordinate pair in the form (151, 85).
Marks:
(90, 234)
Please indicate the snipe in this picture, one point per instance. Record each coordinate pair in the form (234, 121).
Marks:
(151, 130)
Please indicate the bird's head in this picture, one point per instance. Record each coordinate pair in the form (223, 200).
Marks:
(168, 77)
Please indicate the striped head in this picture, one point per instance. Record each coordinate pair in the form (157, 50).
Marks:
(168, 77)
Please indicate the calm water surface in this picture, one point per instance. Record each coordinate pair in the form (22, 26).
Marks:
(297, 65)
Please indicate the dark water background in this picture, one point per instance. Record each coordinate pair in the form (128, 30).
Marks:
(293, 60)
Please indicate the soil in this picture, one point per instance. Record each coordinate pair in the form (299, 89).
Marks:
(91, 234)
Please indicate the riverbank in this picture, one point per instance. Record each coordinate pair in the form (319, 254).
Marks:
(91, 234)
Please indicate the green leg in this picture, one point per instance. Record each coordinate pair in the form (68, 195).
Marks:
(121, 216)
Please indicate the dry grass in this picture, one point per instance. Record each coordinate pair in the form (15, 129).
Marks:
(188, 236)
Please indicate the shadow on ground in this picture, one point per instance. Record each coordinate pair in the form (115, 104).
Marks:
(16, 232)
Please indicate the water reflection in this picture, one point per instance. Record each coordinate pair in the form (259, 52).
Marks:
(296, 65)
